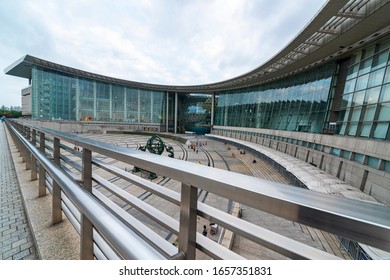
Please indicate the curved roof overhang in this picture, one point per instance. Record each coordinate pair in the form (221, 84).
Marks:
(338, 29)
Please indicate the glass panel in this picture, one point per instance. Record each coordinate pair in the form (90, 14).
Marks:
(343, 127)
(335, 151)
(366, 129)
(380, 60)
(369, 51)
(352, 71)
(347, 113)
(365, 66)
(352, 129)
(350, 99)
(387, 166)
(387, 75)
(384, 112)
(197, 113)
(372, 95)
(362, 82)
(356, 114)
(359, 158)
(376, 78)
(373, 162)
(370, 113)
(384, 45)
(344, 101)
(385, 93)
(359, 98)
(380, 131)
(349, 86)
(346, 154)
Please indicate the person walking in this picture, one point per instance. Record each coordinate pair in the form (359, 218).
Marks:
(204, 230)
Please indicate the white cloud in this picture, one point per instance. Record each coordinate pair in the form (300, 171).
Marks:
(164, 42)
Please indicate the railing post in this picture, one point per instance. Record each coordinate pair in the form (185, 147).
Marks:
(86, 235)
(42, 172)
(56, 195)
(26, 152)
(33, 160)
(188, 220)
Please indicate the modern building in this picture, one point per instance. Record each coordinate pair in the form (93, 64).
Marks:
(324, 98)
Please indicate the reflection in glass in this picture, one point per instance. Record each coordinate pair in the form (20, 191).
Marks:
(295, 104)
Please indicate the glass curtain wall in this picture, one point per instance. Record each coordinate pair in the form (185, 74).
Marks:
(297, 103)
(53, 96)
(365, 108)
(60, 97)
(196, 112)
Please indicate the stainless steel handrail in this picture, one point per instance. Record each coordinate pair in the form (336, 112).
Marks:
(342, 216)
(278, 243)
(361, 221)
(123, 239)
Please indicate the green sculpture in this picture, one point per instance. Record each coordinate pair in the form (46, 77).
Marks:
(155, 145)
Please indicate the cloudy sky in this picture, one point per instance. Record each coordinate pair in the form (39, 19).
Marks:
(181, 42)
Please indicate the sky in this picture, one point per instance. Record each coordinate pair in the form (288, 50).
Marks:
(170, 42)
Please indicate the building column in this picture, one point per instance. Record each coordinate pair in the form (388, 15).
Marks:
(212, 108)
(225, 113)
(167, 114)
(125, 105)
(176, 112)
(94, 101)
(110, 102)
(77, 99)
(139, 106)
(151, 106)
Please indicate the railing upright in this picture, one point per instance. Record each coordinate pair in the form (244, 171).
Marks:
(22, 150)
(56, 194)
(188, 221)
(86, 246)
(42, 171)
(33, 159)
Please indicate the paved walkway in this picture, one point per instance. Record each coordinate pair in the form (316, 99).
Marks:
(16, 242)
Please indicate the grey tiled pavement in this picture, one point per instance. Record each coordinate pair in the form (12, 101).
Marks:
(16, 241)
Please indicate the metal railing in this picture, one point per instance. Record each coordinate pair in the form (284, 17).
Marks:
(107, 231)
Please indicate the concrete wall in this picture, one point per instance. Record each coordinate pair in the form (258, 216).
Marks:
(96, 127)
(372, 181)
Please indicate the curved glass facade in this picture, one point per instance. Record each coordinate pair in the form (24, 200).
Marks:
(365, 108)
(60, 97)
(352, 94)
(297, 103)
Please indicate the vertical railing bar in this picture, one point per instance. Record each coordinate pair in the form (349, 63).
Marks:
(26, 151)
(42, 171)
(86, 234)
(56, 194)
(33, 160)
(22, 149)
(188, 220)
